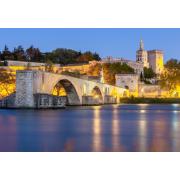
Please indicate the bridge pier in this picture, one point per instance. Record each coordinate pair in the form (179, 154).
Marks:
(24, 89)
(90, 100)
(110, 99)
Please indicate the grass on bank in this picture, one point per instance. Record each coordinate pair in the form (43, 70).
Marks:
(141, 100)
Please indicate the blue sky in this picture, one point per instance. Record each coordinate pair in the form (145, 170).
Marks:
(107, 42)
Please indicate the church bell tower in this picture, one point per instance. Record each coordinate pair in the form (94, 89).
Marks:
(141, 55)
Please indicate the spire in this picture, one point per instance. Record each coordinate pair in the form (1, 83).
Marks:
(141, 45)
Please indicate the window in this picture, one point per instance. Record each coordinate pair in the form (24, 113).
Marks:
(126, 87)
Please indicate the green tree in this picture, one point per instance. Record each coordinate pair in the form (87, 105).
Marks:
(121, 68)
(141, 76)
(6, 54)
(34, 54)
(69, 56)
(111, 69)
(59, 56)
(19, 54)
(74, 73)
(96, 56)
(95, 69)
(170, 78)
(148, 73)
(109, 77)
(63, 56)
(49, 67)
(7, 82)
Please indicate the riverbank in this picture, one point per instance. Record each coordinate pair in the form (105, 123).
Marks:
(141, 100)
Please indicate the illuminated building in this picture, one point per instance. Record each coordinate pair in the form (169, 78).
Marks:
(128, 81)
(152, 58)
(142, 55)
(155, 58)
(138, 67)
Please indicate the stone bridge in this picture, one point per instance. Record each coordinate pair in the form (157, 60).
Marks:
(78, 91)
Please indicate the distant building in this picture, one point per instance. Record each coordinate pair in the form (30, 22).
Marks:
(128, 81)
(138, 67)
(156, 62)
(142, 55)
(152, 58)
(139, 89)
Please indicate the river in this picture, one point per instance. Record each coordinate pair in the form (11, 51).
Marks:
(92, 128)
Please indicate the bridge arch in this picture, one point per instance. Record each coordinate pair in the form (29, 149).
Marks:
(68, 89)
(97, 94)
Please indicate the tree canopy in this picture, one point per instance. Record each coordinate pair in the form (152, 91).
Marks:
(58, 56)
(7, 82)
(148, 73)
(95, 69)
(170, 78)
(111, 69)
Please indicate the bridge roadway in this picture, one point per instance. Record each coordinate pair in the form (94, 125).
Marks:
(79, 91)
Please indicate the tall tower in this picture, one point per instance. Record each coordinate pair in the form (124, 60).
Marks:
(141, 47)
(141, 55)
(156, 60)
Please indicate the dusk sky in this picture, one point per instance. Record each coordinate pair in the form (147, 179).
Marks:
(106, 42)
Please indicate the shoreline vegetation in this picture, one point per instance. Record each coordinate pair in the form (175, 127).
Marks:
(143, 100)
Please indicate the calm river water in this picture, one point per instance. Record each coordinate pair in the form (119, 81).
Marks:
(93, 128)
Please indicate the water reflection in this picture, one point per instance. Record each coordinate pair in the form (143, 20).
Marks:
(175, 132)
(142, 131)
(160, 134)
(115, 130)
(8, 131)
(98, 128)
(97, 140)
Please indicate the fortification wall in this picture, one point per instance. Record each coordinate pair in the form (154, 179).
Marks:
(146, 90)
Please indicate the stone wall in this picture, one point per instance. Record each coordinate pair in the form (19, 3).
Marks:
(49, 101)
(110, 100)
(156, 62)
(40, 101)
(90, 100)
(147, 90)
(8, 102)
(24, 89)
(128, 81)
(25, 63)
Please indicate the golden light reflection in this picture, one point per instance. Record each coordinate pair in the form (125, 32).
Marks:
(8, 126)
(115, 130)
(115, 122)
(143, 105)
(142, 131)
(159, 142)
(97, 130)
(175, 105)
(175, 132)
(142, 111)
